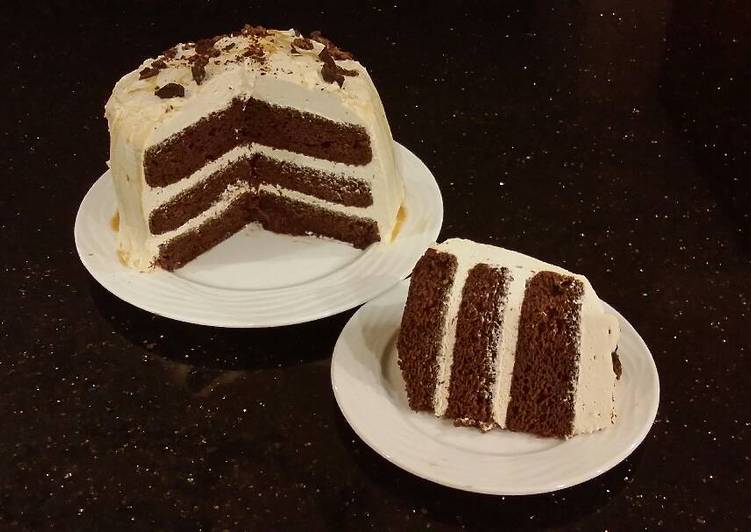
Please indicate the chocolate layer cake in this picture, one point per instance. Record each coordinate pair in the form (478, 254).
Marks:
(260, 126)
(493, 338)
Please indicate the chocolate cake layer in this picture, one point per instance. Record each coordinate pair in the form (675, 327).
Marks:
(335, 188)
(255, 170)
(478, 331)
(306, 133)
(283, 215)
(546, 360)
(251, 120)
(422, 326)
(192, 202)
(189, 150)
(184, 248)
(273, 212)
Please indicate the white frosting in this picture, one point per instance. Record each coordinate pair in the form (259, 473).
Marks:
(506, 349)
(594, 406)
(138, 119)
(445, 357)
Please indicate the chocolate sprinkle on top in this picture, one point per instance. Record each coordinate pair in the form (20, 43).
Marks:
(170, 90)
(347, 72)
(302, 43)
(170, 53)
(153, 69)
(206, 47)
(255, 51)
(148, 72)
(199, 69)
(330, 71)
(330, 74)
(257, 31)
(205, 50)
(333, 49)
(325, 56)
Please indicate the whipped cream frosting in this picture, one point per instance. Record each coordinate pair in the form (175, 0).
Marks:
(263, 67)
(594, 406)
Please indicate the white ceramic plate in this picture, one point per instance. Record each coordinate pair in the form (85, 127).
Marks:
(370, 391)
(261, 279)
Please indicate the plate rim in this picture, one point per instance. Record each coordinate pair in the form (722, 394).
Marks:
(431, 232)
(576, 480)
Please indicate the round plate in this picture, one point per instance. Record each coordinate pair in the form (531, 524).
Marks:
(261, 279)
(370, 391)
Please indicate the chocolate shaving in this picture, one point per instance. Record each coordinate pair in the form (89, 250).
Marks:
(254, 51)
(148, 72)
(206, 47)
(333, 49)
(302, 43)
(347, 72)
(199, 69)
(229, 47)
(332, 72)
(153, 69)
(170, 53)
(170, 90)
(256, 31)
(617, 366)
(293, 50)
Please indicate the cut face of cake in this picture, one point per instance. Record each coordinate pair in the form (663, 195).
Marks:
(261, 126)
(491, 337)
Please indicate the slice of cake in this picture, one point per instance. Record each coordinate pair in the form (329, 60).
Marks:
(260, 126)
(491, 337)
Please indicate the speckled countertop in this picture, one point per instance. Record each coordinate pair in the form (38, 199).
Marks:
(610, 137)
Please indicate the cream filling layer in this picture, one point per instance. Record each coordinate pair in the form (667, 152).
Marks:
(360, 212)
(446, 351)
(506, 349)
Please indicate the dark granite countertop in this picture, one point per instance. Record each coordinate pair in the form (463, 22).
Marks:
(610, 137)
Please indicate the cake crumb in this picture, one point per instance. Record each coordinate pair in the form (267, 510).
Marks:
(115, 221)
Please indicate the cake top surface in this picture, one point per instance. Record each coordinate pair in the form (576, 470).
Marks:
(314, 60)
(280, 64)
(474, 253)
